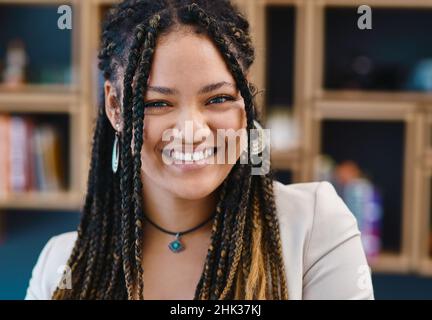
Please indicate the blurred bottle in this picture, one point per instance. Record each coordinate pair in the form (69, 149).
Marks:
(364, 200)
(361, 197)
(284, 132)
(421, 76)
(16, 62)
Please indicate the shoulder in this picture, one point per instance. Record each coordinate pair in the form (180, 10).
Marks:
(50, 265)
(312, 204)
(320, 242)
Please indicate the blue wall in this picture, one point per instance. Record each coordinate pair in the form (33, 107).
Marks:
(25, 235)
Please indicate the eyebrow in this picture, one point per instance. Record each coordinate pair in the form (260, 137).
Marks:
(206, 89)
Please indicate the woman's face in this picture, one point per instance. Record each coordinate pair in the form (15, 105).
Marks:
(191, 100)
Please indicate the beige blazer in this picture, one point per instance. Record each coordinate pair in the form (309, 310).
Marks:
(322, 251)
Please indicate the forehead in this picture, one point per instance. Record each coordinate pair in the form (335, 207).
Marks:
(186, 59)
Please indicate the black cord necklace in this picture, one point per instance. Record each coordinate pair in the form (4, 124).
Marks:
(176, 245)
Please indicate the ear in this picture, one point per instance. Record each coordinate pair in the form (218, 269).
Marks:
(112, 105)
(247, 76)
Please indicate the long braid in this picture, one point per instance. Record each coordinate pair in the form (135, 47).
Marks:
(103, 264)
(126, 163)
(138, 120)
(256, 277)
(100, 206)
(95, 254)
(81, 243)
(116, 242)
(238, 238)
(242, 38)
(202, 290)
(273, 230)
(224, 251)
(90, 266)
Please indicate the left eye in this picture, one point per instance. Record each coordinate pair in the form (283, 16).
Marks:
(157, 104)
(221, 99)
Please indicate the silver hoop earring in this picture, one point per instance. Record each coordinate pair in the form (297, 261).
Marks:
(257, 142)
(257, 139)
(116, 151)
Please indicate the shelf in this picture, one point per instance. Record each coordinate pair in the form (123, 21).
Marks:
(428, 159)
(363, 109)
(423, 248)
(376, 3)
(428, 237)
(105, 2)
(374, 96)
(38, 2)
(47, 89)
(43, 99)
(285, 159)
(427, 155)
(426, 268)
(391, 263)
(40, 200)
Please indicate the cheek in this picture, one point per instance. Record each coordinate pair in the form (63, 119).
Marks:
(235, 120)
(231, 119)
(152, 133)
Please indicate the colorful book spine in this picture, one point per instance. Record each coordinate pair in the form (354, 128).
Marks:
(4, 152)
(31, 156)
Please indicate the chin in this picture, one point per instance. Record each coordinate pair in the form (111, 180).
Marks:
(193, 191)
(198, 185)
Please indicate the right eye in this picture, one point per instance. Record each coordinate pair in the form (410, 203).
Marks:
(156, 104)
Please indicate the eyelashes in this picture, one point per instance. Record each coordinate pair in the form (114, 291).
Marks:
(228, 98)
(154, 104)
(162, 104)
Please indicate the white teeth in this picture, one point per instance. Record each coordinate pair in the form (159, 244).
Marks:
(198, 156)
(195, 156)
(178, 155)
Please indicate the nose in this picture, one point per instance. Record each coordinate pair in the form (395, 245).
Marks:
(192, 127)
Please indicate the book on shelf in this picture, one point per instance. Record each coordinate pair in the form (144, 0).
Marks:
(30, 156)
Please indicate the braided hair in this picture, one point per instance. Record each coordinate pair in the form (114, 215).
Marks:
(244, 259)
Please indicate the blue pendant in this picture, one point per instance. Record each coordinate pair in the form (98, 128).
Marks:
(176, 246)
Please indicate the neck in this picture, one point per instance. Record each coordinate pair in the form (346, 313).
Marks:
(176, 214)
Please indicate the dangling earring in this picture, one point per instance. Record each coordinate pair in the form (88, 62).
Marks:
(116, 150)
(257, 141)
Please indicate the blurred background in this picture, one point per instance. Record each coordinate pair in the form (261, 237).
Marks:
(350, 106)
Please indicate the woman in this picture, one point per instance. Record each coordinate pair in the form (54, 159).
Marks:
(193, 228)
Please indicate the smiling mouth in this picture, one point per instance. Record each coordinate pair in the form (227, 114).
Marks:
(189, 156)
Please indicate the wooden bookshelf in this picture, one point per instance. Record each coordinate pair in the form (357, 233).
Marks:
(311, 106)
(54, 99)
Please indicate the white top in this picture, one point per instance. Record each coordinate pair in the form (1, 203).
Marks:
(322, 251)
